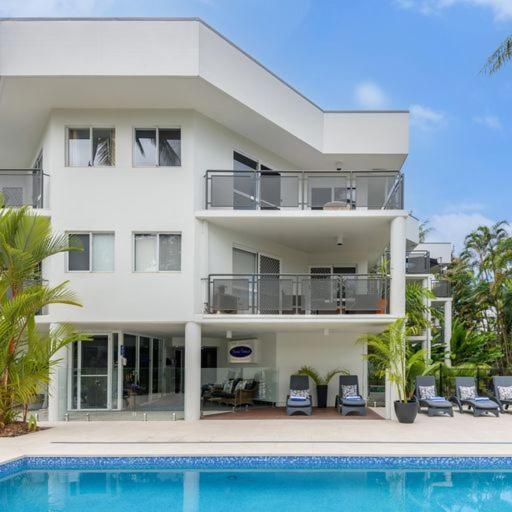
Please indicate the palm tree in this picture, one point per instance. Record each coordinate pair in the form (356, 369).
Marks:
(502, 55)
(25, 354)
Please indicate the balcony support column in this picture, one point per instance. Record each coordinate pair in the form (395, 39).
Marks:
(447, 332)
(192, 371)
(397, 293)
(57, 388)
(397, 266)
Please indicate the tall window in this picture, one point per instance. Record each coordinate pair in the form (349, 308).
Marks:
(90, 147)
(157, 147)
(97, 254)
(157, 252)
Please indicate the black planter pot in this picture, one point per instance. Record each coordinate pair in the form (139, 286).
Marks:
(321, 395)
(406, 412)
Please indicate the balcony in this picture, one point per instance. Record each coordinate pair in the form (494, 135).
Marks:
(419, 262)
(304, 190)
(22, 187)
(297, 294)
(442, 288)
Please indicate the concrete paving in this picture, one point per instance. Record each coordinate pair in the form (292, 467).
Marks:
(461, 435)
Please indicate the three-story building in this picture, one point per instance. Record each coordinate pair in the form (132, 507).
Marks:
(229, 225)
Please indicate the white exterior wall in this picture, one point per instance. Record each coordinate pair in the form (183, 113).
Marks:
(324, 353)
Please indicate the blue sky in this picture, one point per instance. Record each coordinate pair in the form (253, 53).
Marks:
(422, 55)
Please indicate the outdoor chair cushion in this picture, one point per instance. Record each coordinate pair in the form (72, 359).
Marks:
(505, 393)
(349, 390)
(438, 402)
(484, 403)
(227, 387)
(426, 392)
(467, 392)
(357, 402)
(298, 403)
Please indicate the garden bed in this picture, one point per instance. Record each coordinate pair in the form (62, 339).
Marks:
(16, 429)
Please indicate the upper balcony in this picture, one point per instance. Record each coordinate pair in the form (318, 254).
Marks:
(420, 263)
(304, 190)
(297, 294)
(23, 187)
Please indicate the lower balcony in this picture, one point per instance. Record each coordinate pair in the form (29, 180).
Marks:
(442, 288)
(23, 187)
(297, 294)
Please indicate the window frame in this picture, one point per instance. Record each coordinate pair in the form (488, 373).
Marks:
(157, 147)
(91, 156)
(91, 248)
(157, 234)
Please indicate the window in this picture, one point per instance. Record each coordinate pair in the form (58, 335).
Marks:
(90, 147)
(157, 252)
(97, 254)
(157, 147)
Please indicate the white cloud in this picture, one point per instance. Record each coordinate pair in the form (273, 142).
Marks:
(492, 122)
(21, 8)
(453, 227)
(426, 118)
(501, 9)
(370, 95)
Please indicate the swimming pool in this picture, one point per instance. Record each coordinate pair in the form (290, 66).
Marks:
(240, 484)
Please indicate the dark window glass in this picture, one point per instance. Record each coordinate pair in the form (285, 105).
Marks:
(79, 260)
(243, 163)
(169, 147)
(103, 146)
(144, 149)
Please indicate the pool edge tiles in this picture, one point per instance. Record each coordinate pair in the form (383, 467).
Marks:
(138, 463)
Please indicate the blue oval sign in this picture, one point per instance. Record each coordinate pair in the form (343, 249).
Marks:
(240, 351)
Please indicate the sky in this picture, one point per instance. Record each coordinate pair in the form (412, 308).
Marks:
(421, 55)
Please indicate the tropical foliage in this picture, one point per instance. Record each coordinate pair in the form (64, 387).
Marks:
(391, 355)
(500, 56)
(317, 378)
(27, 354)
(481, 281)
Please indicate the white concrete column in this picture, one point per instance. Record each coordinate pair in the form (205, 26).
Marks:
(192, 371)
(447, 332)
(396, 294)
(427, 283)
(58, 389)
(397, 266)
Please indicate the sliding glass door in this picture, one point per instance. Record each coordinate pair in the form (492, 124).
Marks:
(91, 373)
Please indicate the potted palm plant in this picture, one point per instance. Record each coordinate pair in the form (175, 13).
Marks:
(321, 382)
(395, 358)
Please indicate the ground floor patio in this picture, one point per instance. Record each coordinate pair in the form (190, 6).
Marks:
(460, 435)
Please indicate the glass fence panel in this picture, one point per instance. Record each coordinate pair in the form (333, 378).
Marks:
(232, 294)
(22, 187)
(417, 263)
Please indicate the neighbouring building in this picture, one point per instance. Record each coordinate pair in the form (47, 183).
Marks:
(230, 226)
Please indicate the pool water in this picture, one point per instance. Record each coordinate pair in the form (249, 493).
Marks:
(280, 490)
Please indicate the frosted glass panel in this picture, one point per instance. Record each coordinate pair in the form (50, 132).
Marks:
(79, 147)
(145, 253)
(170, 252)
(103, 252)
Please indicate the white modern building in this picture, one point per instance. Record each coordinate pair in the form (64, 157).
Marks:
(230, 226)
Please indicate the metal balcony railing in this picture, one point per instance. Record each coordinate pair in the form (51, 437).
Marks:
(417, 262)
(22, 187)
(304, 190)
(442, 288)
(297, 294)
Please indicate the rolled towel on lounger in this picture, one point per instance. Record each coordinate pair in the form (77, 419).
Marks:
(438, 398)
(480, 399)
(354, 397)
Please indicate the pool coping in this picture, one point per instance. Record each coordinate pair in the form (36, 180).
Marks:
(258, 462)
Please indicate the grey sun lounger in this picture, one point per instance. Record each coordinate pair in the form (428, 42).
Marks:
(479, 407)
(299, 382)
(345, 405)
(435, 407)
(498, 382)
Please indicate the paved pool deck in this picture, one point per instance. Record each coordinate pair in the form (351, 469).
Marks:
(461, 435)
